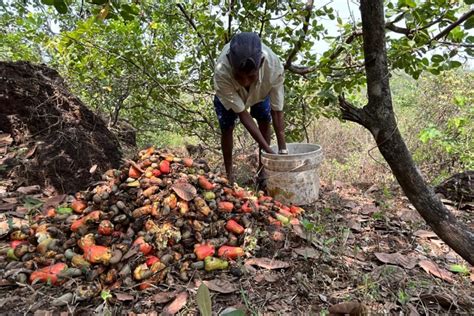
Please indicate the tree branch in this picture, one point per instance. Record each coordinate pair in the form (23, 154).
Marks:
(229, 25)
(263, 20)
(193, 25)
(349, 112)
(449, 28)
(297, 47)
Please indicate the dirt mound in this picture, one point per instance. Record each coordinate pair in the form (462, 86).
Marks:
(63, 139)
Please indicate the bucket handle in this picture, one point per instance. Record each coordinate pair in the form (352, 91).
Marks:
(304, 163)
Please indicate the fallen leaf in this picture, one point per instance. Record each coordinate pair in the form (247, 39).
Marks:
(232, 311)
(347, 308)
(163, 297)
(10, 200)
(29, 190)
(184, 190)
(431, 267)
(7, 206)
(271, 277)
(397, 258)
(267, 263)
(369, 209)
(14, 222)
(354, 225)
(54, 201)
(425, 234)
(221, 286)
(307, 252)
(5, 139)
(124, 297)
(178, 303)
(203, 298)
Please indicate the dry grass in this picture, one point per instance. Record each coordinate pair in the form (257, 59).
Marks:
(346, 149)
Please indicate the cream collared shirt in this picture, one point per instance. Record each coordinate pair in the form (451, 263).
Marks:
(236, 97)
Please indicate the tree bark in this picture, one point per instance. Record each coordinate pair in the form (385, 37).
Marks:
(378, 117)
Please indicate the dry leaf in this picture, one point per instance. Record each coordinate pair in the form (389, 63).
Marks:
(347, 308)
(354, 225)
(397, 258)
(15, 222)
(267, 263)
(425, 234)
(178, 303)
(29, 190)
(7, 206)
(163, 297)
(54, 201)
(124, 297)
(5, 139)
(472, 275)
(184, 190)
(369, 209)
(221, 286)
(433, 268)
(10, 200)
(271, 277)
(307, 252)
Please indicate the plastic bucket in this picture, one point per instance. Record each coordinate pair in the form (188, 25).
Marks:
(293, 178)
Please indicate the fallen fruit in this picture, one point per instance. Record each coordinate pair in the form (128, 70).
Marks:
(48, 274)
(97, 254)
(211, 264)
(225, 206)
(230, 252)
(205, 184)
(78, 206)
(106, 228)
(234, 227)
(204, 250)
(165, 167)
(134, 172)
(143, 246)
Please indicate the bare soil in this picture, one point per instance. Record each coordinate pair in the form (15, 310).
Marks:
(59, 137)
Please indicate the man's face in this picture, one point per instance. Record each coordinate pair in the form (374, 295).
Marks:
(246, 79)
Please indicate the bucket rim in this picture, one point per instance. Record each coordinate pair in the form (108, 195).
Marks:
(318, 151)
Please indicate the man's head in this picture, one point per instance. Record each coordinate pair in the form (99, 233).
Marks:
(245, 57)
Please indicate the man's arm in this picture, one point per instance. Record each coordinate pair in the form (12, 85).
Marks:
(250, 125)
(279, 126)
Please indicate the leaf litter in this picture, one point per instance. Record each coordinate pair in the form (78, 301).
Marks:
(317, 269)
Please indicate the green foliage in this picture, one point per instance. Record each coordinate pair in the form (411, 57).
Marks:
(440, 112)
(151, 62)
(203, 298)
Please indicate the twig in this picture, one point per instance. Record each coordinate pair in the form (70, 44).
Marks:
(448, 29)
(297, 47)
(193, 25)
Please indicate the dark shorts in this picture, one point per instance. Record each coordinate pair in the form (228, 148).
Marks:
(260, 112)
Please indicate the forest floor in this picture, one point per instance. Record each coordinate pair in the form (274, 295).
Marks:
(363, 249)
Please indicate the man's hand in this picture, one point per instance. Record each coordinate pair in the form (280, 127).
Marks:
(250, 125)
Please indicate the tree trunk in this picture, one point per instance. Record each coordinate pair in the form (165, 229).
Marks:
(378, 117)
